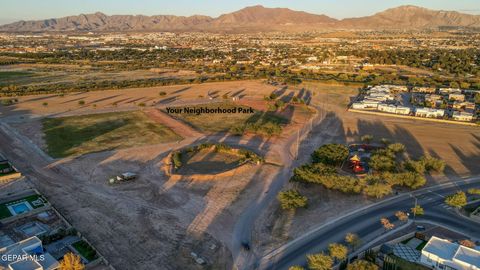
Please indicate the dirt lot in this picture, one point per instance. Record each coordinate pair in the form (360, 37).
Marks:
(159, 220)
(459, 146)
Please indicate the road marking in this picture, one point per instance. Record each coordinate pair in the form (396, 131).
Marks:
(434, 193)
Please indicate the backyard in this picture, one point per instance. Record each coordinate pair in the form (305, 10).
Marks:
(77, 135)
(35, 201)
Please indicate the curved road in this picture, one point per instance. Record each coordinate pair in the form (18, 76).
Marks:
(366, 222)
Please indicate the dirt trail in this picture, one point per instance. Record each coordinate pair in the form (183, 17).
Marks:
(178, 127)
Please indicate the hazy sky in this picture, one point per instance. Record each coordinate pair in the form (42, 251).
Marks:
(12, 10)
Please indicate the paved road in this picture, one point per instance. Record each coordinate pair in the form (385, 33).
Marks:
(322, 129)
(366, 223)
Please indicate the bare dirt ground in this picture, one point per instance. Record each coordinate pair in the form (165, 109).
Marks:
(156, 220)
(459, 146)
(159, 220)
(178, 127)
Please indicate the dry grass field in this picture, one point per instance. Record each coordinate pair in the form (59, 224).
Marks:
(207, 161)
(77, 135)
(165, 218)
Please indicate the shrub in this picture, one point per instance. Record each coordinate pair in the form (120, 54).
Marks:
(331, 154)
(457, 200)
(291, 199)
(177, 160)
(81, 102)
(362, 265)
(8, 102)
(366, 138)
(377, 190)
(474, 191)
(319, 261)
(338, 251)
(408, 179)
(383, 161)
(396, 148)
(141, 104)
(273, 96)
(45, 104)
(279, 104)
(418, 210)
(433, 164)
(162, 93)
(414, 166)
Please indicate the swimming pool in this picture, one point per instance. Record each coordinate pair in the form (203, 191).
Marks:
(20, 208)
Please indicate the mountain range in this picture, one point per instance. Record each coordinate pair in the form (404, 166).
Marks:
(254, 19)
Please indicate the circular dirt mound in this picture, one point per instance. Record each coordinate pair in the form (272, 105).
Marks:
(208, 161)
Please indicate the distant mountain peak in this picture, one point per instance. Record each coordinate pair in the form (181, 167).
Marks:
(252, 18)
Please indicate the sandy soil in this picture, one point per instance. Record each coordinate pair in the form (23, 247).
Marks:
(159, 220)
(459, 146)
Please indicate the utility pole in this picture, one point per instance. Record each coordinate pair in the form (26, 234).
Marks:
(298, 142)
(415, 208)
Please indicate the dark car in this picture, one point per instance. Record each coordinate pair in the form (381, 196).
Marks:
(246, 245)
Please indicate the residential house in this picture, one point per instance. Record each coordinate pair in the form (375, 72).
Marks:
(424, 90)
(442, 254)
(429, 112)
(462, 116)
(27, 254)
(457, 97)
(447, 91)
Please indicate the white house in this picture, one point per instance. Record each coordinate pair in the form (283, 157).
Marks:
(387, 108)
(446, 91)
(445, 255)
(457, 97)
(429, 112)
(403, 110)
(27, 254)
(462, 116)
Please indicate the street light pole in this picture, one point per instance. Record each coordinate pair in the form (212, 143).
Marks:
(415, 208)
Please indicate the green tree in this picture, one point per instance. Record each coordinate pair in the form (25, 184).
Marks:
(385, 141)
(291, 199)
(331, 154)
(319, 261)
(402, 216)
(71, 262)
(353, 240)
(377, 190)
(396, 148)
(362, 265)
(474, 191)
(387, 225)
(457, 200)
(477, 98)
(338, 251)
(366, 138)
(418, 210)
(296, 267)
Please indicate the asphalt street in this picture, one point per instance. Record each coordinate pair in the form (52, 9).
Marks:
(367, 222)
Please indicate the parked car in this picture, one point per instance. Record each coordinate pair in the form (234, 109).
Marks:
(123, 177)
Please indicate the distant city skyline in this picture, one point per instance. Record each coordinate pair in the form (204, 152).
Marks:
(33, 9)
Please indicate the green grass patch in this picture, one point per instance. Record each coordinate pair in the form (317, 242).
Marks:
(85, 250)
(4, 166)
(406, 265)
(263, 123)
(8, 75)
(4, 212)
(77, 135)
(421, 246)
